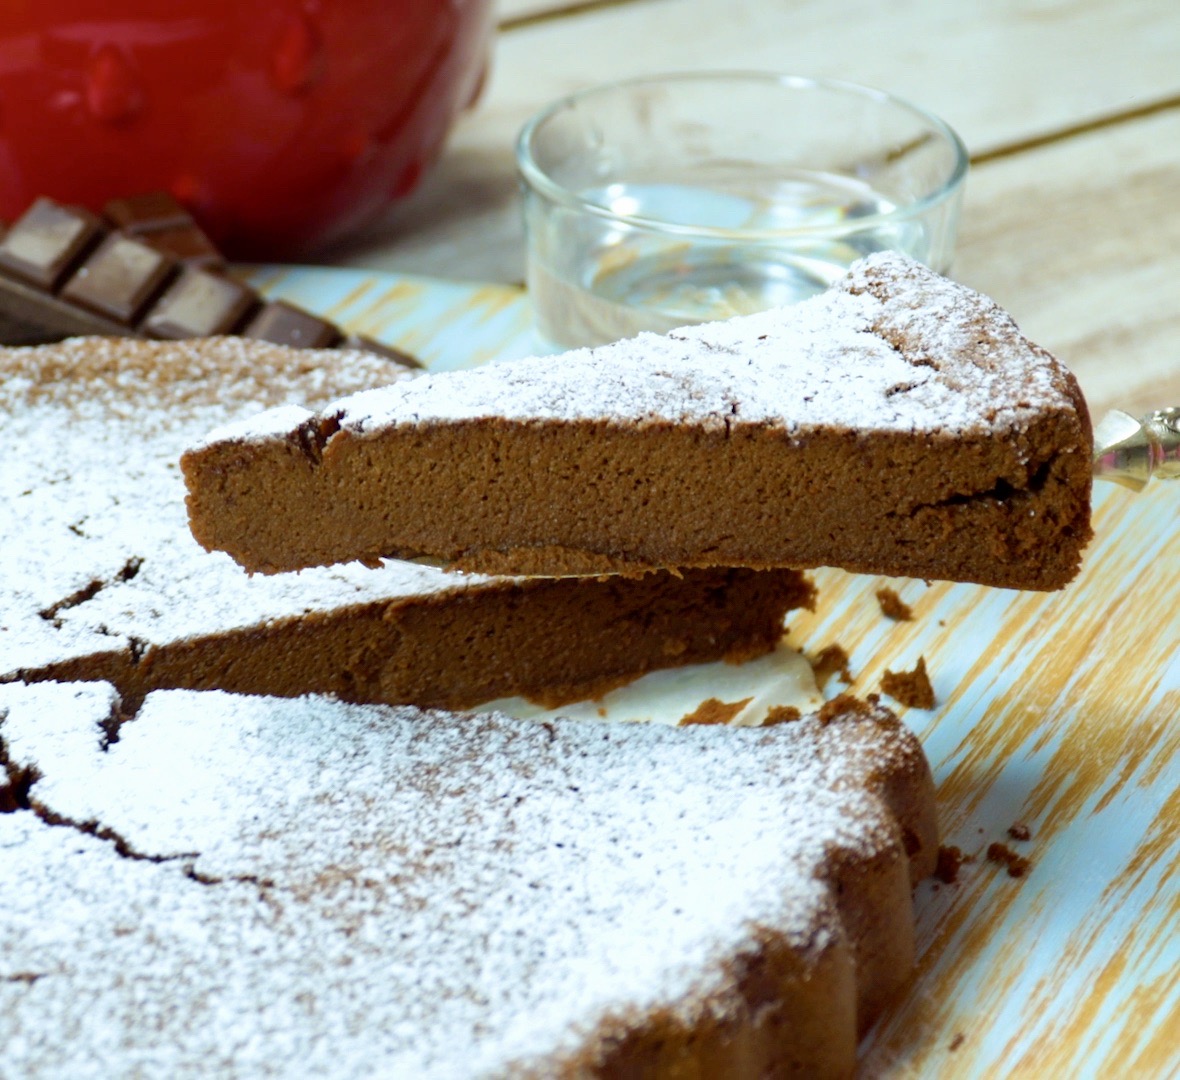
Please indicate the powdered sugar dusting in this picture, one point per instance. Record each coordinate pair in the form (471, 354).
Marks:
(95, 552)
(403, 893)
(893, 346)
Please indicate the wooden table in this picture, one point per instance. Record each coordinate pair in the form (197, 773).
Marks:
(1062, 711)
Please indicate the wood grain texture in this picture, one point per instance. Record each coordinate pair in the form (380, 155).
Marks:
(1081, 242)
(512, 14)
(1060, 711)
(999, 73)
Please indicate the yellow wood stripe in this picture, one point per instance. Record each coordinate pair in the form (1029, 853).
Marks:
(1062, 712)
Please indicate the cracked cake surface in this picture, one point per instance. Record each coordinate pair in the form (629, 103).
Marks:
(285, 886)
(898, 424)
(100, 577)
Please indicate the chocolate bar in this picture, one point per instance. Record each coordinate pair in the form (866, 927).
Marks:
(160, 221)
(145, 269)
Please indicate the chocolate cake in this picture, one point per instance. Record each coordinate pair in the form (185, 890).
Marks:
(321, 888)
(100, 578)
(898, 424)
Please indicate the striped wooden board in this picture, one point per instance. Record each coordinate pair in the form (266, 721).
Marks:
(1060, 712)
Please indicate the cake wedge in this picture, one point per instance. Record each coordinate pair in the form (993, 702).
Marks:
(324, 888)
(897, 424)
(100, 578)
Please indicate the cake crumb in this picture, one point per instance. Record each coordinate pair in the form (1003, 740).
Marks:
(950, 861)
(910, 688)
(1017, 865)
(1019, 831)
(602, 710)
(893, 606)
(957, 1041)
(714, 711)
(781, 714)
(830, 660)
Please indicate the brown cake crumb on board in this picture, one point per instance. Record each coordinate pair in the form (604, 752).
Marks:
(911, 688)
(950, 860)
(893, 606)
(714, 711)
(830, 660)
(1017, 865)
(781, 714)
(1019, 831)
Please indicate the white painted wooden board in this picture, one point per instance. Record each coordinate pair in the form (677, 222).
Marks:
(1081, 242)
(999, 72)
(510, 11)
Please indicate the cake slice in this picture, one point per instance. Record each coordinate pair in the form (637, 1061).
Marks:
(254, 886)
(101, 579)
(898, 424)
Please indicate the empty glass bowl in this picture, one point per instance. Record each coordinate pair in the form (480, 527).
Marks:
(663, 201)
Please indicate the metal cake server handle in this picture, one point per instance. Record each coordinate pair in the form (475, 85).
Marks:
(1130, 452)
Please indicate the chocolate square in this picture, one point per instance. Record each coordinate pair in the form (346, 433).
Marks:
(45, 244)
(120, 279)
(283, 324)
(198, 304)
(188, 245)
(150, 212)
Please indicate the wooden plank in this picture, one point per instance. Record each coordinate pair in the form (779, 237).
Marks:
(999, 73)
(1056, 712)
(508, 11)
(996, 72)
(1081, 242)
(511, 13)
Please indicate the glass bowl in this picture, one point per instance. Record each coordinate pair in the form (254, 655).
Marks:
(663, 201)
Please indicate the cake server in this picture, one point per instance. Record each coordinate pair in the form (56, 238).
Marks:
(1130, 452)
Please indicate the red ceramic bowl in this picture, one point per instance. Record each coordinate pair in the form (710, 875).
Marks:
(282, 124)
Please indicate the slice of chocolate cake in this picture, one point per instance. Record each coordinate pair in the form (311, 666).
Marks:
(253, 886)
(899, 424)
(100, 578)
